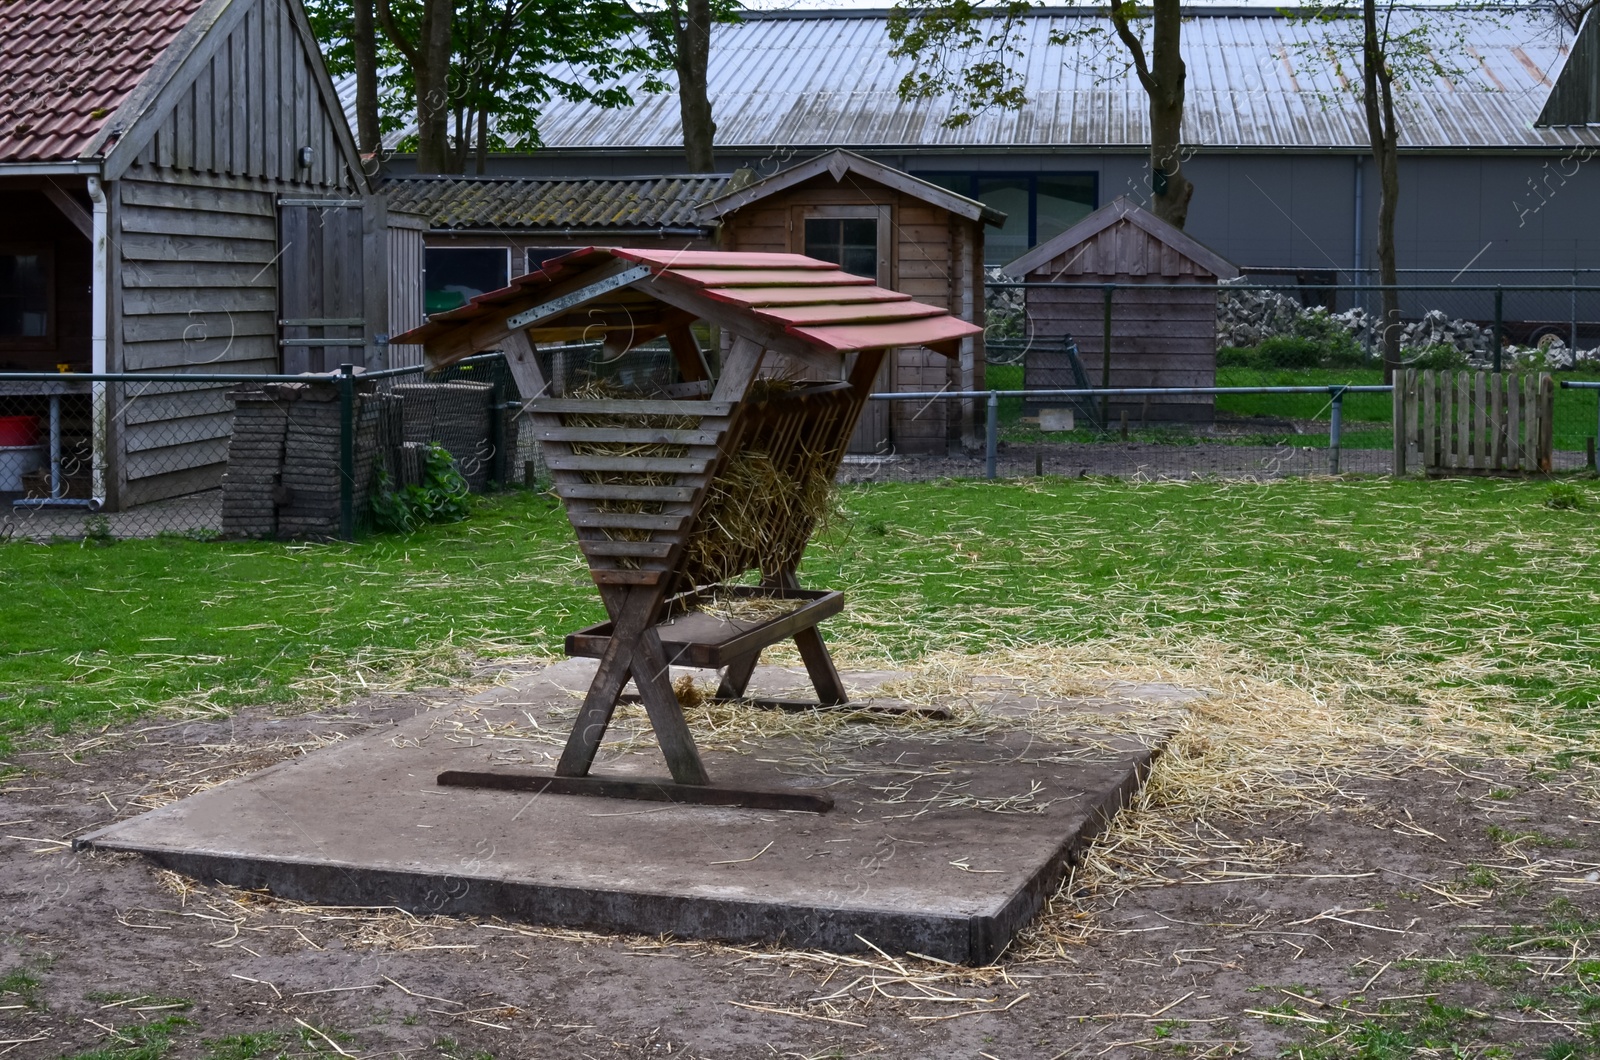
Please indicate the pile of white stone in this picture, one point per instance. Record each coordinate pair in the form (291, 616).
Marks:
(1246, 318)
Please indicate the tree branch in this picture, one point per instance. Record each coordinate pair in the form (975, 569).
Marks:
(1130, 40)
(391, 29)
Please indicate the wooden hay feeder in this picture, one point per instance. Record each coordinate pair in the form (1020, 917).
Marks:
(672, 495)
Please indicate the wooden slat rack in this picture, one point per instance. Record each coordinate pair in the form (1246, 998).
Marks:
(646, 478)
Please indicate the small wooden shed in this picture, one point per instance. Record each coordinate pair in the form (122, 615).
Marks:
(1162, 291)
(905, 234)
(179, 192)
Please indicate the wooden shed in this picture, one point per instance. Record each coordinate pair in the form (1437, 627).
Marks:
(907, 235)
(178, 187)
(1163, 334)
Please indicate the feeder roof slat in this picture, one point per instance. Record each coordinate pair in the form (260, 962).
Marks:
(756, 297)
(858, 313)
(846, 337)
(794, 277)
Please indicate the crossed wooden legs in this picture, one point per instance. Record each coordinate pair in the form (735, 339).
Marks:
(635, 650)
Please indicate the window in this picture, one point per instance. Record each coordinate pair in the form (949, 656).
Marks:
(452, 276)
(27, 295)
(1038, 207)
(535, 257)
(850, 243)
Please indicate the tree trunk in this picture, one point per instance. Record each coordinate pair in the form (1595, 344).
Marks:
(1378, 83)
(1170, 187)
(369, 137)
(433, 87)
(692, 56)
(483, 140)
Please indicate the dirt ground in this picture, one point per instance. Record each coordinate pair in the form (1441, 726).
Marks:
(1431, 908)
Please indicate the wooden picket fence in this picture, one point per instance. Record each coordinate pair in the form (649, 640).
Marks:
(1473, 422)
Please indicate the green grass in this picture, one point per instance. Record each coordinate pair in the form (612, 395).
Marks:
(1476, 589)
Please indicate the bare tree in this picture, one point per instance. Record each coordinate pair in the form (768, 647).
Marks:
(969, 50)
(364, 42)
(1398, 47)
(426, 46)
(680, 32)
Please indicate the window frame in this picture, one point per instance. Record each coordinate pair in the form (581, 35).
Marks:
(883, 213)
(49, 340)
(973, 176)
(426, 249)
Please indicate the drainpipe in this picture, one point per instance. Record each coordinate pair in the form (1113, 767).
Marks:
(99, 302)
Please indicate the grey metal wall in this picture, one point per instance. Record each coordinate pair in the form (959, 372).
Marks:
(1523, 209)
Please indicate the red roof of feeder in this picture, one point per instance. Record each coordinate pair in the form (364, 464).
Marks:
(812, 300)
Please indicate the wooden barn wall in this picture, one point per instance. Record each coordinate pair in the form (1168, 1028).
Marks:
(254, 104)
(198, 293)
(194, 221)
(1159, 338)
(930, 257)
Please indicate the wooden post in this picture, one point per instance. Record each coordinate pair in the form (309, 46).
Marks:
(1399, 400)
(1547, 423)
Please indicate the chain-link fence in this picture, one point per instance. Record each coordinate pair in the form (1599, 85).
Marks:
(141, 454)
(207, 454)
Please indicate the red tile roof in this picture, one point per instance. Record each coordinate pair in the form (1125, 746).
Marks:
(66, 65)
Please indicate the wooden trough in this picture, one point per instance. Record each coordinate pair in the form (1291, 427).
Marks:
(651, 483)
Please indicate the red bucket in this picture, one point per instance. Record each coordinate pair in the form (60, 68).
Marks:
(19, 430)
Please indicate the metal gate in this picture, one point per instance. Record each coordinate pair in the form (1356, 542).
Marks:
(321, 293)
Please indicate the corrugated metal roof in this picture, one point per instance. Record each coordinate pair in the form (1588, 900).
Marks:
(66, 65)
(494, 202)
(814, 81)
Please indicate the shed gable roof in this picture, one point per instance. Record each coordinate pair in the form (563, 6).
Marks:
(839, 165)
(1123, 211)
(528, 203)
(67, 66)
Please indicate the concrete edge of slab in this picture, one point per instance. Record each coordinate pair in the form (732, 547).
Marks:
(977, 939)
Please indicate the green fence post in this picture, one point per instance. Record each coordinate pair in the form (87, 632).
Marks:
(991, 435)
(1335, 429)
(347, 451)
(1499, 320)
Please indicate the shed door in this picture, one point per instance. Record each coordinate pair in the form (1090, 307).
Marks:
(321, 321)
(859, 239)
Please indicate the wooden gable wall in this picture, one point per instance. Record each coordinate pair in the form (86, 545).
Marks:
(935, 256)
(1125, 250)
(195, 227)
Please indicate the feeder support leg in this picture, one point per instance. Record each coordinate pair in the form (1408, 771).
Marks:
(653, 678)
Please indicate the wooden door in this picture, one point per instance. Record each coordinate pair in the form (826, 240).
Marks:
(321, 295)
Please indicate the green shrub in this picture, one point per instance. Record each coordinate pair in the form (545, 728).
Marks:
(1287, 351)
(441, 497)
(1440, 356)
(1233, 357)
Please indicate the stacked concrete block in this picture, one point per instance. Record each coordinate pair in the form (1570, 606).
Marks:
(456, 416)
(311, 464)
(255, 461)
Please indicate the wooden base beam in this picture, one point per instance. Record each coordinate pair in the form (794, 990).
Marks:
(643, 790)
(800, 706)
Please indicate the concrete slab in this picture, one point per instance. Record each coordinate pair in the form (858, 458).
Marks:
(945, 839)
